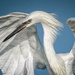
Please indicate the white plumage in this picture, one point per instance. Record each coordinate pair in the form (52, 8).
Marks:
(50, 27)
(23, 52)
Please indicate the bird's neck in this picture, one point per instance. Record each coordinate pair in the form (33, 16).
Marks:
(48, 41)
(50, 25)
(52, 58)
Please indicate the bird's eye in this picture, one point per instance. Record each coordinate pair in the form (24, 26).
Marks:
(29, 21)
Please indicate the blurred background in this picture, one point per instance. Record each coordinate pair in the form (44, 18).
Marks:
(64, 9)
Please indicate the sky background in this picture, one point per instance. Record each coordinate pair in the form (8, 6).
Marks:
(64, 9)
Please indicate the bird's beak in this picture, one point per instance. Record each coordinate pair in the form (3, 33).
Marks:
(18, 29)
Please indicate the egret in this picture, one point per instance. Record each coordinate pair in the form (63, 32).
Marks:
(25, 49)
(59, 64)
(50, 26)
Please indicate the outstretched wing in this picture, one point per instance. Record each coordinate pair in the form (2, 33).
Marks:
(8, 24)
(15, 53)
(71, 23)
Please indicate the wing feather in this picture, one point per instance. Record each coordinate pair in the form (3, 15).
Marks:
(8, 24)
(14, 52)
(11, 59)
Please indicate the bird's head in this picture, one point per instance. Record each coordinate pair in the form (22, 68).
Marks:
(71, 21)
(35, 17)
(31, 19)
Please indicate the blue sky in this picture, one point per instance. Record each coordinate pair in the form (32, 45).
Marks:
(64, 9)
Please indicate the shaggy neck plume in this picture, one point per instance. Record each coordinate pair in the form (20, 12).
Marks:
(51, 27)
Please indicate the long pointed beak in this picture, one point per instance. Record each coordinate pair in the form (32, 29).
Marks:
(21, 27)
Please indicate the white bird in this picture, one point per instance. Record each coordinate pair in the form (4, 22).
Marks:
(34, 53)
(50, 27)
(60, 64)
